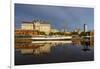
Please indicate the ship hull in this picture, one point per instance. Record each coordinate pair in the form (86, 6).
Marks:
(50, 38)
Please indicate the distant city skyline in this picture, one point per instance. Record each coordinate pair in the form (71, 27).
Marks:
(60, 17)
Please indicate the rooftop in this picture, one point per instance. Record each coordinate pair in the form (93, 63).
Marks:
(36, 20)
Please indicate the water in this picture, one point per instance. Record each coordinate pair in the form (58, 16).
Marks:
(40, 52)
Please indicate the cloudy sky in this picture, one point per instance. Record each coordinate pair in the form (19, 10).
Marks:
(58, 16)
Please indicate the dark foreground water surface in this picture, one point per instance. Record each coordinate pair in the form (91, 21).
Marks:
(52, 52)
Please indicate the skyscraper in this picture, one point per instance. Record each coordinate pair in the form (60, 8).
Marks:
(85, 27)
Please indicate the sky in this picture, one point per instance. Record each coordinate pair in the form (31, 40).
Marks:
(60, 17)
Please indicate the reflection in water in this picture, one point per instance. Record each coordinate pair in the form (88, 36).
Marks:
(36, 51)
(26, 51)
(85, 43)
(86, 46)
(53, 51)
(43, 49)
(38, 47)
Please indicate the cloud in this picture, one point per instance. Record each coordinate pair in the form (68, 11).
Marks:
(58, 16)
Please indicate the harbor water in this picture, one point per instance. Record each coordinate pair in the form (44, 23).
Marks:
(41, 52)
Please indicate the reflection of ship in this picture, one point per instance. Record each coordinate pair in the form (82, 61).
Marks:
(37, 47)
(40, 49)
(36, 44)
(48, 38)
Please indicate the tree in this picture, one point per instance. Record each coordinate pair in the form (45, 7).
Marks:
(83, 34)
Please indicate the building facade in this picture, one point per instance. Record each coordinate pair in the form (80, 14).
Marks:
(54, 30)
(27, 26)
(41, 26)
(85, 27)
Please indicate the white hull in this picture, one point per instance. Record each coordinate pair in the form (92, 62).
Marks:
(52, 38)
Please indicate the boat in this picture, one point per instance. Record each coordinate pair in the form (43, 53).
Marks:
(48, 38)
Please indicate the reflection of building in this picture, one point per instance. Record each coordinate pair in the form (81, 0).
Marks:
(26, 51)
(38, 49)
(39, 25)
(43, 49)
